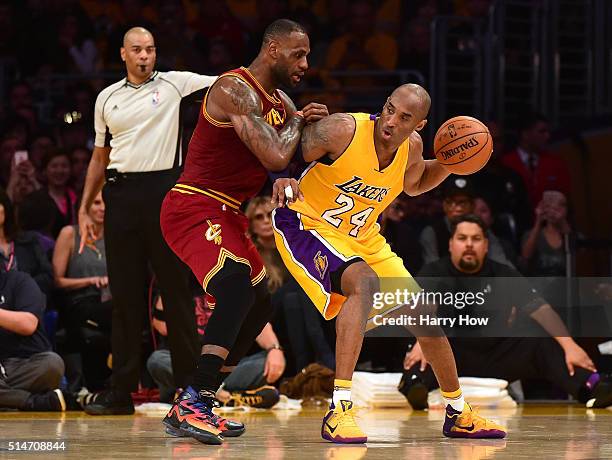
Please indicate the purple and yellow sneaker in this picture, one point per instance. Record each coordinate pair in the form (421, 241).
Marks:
(339, 425)
(468, 424)
(191, 415)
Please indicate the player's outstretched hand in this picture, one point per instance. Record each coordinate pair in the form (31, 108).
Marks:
(285, 191)
(314, 111)
(415, 356)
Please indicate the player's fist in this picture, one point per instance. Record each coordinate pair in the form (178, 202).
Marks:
(314, 111)
(285, 191)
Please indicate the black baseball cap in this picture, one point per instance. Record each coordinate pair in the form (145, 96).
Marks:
(458, 185)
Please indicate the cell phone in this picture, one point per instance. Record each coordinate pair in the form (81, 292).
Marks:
(20, 156)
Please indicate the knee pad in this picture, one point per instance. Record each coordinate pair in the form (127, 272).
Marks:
(234, 297)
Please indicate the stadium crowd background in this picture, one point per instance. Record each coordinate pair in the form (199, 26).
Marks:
(55, 56)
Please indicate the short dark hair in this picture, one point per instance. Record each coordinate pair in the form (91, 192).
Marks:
(527, 120)
(281, 28)
(471, 218)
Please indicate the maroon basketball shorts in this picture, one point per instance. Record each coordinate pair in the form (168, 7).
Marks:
(206, 228)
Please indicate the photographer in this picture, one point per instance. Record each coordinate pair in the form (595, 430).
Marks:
(491, 351)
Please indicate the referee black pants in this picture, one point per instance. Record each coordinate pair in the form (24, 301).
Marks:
(514, 359)
(133, 241)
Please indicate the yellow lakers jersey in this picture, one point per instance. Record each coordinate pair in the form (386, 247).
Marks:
(351, 193)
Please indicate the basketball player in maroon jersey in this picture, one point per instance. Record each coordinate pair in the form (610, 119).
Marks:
(246, 127)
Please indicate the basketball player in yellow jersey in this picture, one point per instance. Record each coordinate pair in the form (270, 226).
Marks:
(331, 244)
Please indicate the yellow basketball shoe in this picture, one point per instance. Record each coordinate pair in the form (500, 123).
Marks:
(339, 425)
(468, 424)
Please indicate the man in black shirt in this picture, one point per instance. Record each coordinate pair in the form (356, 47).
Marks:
(30, 372)
(510, 305)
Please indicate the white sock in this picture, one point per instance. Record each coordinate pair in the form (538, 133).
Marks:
(342, 391)
(455, 399)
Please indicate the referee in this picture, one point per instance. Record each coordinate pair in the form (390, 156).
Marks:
(138, 151)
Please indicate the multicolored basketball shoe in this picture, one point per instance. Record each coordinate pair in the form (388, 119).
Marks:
(468, 424)
(191, 415)
(339, 425)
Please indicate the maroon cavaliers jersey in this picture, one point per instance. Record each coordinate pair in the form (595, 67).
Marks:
(218, 160)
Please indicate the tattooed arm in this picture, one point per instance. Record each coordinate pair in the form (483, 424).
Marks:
(330, 136)
(231, 99)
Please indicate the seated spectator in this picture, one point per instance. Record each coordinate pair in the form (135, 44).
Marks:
(543, 249)
(494, 350)
(37, 214)
(483, 210)
(56, 167)
(248, 384)
(459, 197)
(401, 233)
(23, 180)
(301, 317)
(540, 169)
(30, 372)
(21, 250)
(80, 271)
(79, 158)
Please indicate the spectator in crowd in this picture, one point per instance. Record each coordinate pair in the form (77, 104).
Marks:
(21, 250)
(494, 350)
(88, 307)
(79, 159)
(21, 105)
(57, 169)
(248, 384)
(483, 210)
(23, 178)
(543, 248)
(401, 229)
(459, 194)
(37, 214)
(40, 147)
(304, 325)
(505, 188)
(540, 169)
(75, 49)
(8, 146)
(30, 372)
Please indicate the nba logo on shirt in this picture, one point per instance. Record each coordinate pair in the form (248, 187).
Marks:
(155, 99)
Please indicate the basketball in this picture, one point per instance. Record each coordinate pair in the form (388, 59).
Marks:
(463, 145)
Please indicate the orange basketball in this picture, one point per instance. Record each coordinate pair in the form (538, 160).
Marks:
(463, 145)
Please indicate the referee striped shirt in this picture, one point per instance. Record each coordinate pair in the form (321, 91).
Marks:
(141, 123)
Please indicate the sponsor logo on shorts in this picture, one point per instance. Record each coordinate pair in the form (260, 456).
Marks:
(320, 262)
(213, 233)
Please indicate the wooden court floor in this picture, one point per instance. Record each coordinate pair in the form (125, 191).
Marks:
(536, 432)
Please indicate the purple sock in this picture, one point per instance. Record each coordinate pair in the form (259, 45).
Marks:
(592, 381)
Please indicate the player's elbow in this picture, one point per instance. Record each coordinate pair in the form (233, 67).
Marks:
(276, 162)
(413, 190)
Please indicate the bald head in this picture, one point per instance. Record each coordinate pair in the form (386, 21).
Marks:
(133, 33)
(414, 95)
(138, 53)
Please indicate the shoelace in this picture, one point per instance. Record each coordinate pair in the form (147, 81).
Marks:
(201, 405)
(351, 416)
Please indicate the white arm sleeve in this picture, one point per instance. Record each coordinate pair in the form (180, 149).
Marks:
(189, 82)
